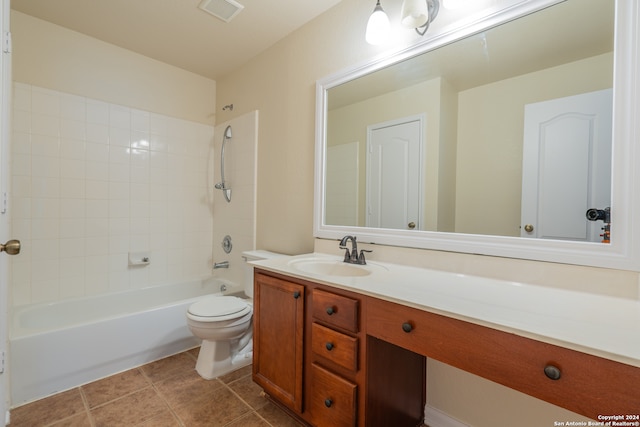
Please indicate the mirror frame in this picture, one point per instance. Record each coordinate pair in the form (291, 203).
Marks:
(624, 250)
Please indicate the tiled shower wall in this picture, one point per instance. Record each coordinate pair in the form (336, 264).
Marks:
(92, 182)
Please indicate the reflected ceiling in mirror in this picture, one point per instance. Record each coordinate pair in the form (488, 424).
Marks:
(469, 98)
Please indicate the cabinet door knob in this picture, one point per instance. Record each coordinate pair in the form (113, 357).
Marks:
(329, 346)
(552, 372)
(296, 294)
(407, 327)
(330, 311)
(328, 403)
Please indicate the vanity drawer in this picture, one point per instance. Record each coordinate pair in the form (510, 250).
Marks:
(335, 346)
(336, 310)
(333, 399)
(587, 384)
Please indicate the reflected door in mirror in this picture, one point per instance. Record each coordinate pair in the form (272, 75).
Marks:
(566, 166)
(393, 174)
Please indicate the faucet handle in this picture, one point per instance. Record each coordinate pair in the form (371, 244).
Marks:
(361, 259)
(347, 254)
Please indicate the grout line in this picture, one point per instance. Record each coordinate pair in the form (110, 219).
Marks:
(85, 401)
(171, 410)
(254, 410)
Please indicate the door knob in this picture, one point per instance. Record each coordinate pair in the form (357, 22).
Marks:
(528, 228)
(411, 225)
(12, 247)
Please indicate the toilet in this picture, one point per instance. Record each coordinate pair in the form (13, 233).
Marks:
(224, 325)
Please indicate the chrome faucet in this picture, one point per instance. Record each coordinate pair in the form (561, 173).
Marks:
(223, 264)
(352, 257)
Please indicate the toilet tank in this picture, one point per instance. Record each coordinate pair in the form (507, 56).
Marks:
(256, 255)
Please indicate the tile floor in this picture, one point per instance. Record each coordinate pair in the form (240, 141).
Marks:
(165, 393)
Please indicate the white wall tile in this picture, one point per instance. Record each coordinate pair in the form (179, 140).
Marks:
(45, 145)
(21, 97)
(73, 107)
(45, 101)
(21, 143)
(97, 133)
(21, 121)
(72, 148)
(73, 248)
(97, 112)
(92, 181)
(97, 189)
(119, 117)
(44, 124)
(72, 129)
(73, 228)
(119, 137)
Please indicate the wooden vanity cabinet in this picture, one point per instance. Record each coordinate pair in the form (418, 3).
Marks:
(333, 383)
(278, 316)
(339, 358)
(308, 353)
(580, 382)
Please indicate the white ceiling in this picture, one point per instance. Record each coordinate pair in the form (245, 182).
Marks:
(177, 32)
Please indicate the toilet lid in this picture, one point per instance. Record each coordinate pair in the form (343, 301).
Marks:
(218, 306)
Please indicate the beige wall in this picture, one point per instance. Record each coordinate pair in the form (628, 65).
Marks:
(50, 56)
(281, 84)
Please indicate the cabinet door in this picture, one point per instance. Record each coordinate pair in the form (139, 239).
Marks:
(278, 339)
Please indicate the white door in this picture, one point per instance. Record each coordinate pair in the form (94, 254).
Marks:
(394, 181)
(566, 166)
(5, 99)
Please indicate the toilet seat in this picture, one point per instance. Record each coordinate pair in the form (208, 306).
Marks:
(219, 309)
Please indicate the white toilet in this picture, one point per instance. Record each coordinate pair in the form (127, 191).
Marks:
(225, 327)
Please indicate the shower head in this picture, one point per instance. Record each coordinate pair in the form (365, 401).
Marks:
(227, 132)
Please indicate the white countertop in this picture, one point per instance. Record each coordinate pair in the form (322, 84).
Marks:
(600, 325)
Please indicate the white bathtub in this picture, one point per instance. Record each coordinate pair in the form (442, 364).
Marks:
(55, 347)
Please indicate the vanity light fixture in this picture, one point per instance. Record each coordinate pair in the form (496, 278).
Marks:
(378, 26)
(416, 14)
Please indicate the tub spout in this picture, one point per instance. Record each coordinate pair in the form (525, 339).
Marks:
(223, 264)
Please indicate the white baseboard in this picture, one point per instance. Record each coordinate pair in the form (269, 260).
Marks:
(436, 418)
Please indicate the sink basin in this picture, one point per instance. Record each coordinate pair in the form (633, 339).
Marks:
(330, 268)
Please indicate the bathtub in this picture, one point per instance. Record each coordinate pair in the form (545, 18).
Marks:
(55, 347)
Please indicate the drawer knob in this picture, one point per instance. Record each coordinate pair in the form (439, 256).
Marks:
(330, 311)
(296, 294)
(552, 372)
(407, 327)
(328, 403)
(329, 346)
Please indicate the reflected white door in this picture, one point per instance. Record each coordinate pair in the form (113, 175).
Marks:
(394, 184)
(566, 166)
(5, 99)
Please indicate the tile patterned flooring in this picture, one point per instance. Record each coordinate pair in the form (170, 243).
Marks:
(165, 393)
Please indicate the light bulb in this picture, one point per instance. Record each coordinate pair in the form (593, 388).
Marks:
(378, 26)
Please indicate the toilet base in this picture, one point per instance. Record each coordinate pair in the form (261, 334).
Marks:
(217, 358)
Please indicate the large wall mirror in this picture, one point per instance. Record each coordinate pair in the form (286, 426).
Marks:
(512, 136)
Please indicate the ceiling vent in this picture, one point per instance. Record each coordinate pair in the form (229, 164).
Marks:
(221, 9)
